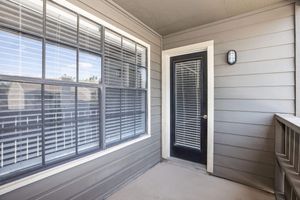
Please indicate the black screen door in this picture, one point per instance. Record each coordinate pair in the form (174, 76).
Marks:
(189, 107)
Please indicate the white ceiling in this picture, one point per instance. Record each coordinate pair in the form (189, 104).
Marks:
(169, 16)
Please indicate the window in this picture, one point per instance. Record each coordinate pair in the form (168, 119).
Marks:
(125, 76)
(68, 86)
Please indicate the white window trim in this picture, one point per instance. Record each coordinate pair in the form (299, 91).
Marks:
(166, 55)
(60, 168)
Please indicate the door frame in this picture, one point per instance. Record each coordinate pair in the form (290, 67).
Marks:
(166, 95)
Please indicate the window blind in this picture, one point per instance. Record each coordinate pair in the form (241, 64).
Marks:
(90, 35)
(188, 104)
(61, 24)
(23, 15)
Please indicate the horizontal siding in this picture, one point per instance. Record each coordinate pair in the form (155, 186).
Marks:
(278, 106)
(241, 153)
(260, 131)
(99, 178)
(258, 93)
(253, 80)
(261, 67)
(248, 93)
(255, 143)
(244, 177)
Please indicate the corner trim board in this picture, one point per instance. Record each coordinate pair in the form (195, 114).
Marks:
(166, 55)
(297, 58)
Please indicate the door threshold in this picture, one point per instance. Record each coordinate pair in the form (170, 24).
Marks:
(187, 164)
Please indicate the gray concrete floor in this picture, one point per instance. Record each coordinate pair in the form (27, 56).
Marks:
(180, 180)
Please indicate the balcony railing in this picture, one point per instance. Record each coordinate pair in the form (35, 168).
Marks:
(287, 154)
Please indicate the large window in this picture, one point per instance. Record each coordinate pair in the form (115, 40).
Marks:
(68, 86)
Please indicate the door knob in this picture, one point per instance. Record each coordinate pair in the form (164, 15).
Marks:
(204, 117)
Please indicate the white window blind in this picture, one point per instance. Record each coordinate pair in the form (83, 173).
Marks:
(188, 104)
(23, 15)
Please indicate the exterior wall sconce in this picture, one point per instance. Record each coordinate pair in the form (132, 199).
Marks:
(231, 57)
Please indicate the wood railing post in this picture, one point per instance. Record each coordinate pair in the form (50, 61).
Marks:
(279, 148)
(279, 138)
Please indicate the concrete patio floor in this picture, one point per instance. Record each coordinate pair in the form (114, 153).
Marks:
(180, 180)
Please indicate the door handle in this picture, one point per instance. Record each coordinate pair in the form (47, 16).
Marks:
(204, 116)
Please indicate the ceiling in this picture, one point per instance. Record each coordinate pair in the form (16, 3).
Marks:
(169, 16)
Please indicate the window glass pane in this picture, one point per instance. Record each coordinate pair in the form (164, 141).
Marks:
(140, 112)
(24, 15)
(141, 77)
(89, 35)
(113, 44)
(60, 62)
(89, 67)
(127, 115)
(141, 54)
(20, 55)
(112, 71)
(129, 75)
(128, 51)
(59, 122)
(112, 116)
(61, 24)
(20, 126)
(88, 118)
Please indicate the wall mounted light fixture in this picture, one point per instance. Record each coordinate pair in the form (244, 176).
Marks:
(231, 57)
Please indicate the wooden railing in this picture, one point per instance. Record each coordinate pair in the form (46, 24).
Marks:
(287, 154)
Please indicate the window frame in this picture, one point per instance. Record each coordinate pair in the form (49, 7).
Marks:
(22, 177)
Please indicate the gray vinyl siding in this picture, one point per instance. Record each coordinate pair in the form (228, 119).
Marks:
(248, 93)
(99, 178)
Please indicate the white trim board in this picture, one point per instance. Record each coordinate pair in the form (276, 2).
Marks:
(166, 55)
(8, 187)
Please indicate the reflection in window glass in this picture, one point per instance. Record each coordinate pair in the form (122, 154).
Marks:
(20, 126)
(60, 62)
(141, 55)
(24, 15)
(59, 122)
(129, 75)
(89, 67)
(61, 24)
(141, 77)
(140, 112)
(127, 114)
(89, 35)
(112, 116)
(20, 55)
(88, 118)
(112, 71)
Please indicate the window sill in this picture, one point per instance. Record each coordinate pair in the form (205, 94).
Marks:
(60, 168)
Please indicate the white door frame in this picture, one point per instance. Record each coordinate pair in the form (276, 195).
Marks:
(166, 55)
